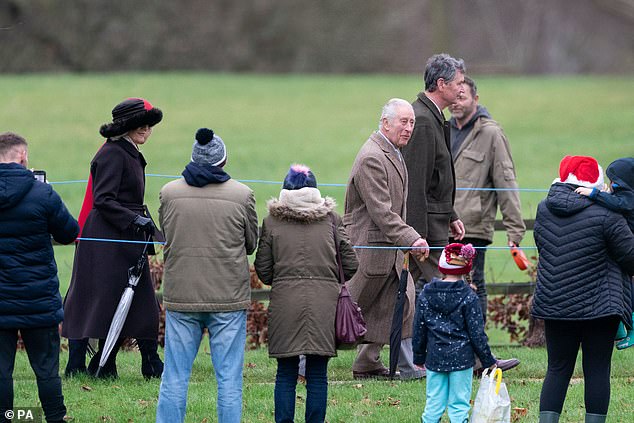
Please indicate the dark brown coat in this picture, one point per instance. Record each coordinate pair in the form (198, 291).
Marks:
(100, 270)
(296, 256)
(431, 173)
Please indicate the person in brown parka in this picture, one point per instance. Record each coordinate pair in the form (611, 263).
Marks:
(297, 257)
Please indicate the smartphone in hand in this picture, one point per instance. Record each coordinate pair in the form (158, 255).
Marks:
(40, 175)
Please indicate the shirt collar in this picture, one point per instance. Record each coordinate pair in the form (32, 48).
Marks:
(439, 109)
(395, 148)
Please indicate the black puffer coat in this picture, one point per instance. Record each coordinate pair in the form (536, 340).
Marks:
(30, 212)
(585, 255)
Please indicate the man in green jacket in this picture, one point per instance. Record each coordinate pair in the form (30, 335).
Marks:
(482, 159)
(210, 227)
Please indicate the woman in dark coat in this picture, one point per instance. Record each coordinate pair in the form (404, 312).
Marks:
(100, 271)
(583, 289)
(297, 257)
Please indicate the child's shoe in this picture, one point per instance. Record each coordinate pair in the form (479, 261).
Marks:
(626, 342)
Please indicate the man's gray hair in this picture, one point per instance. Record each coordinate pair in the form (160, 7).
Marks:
(389, 110)
(441, 66)
(9, 141)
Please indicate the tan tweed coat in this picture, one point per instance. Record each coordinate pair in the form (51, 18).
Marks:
(375, 208)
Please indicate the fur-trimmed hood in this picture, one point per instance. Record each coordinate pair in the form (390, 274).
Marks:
(304, 205)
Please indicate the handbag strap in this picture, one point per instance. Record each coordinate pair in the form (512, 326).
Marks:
(342, 278)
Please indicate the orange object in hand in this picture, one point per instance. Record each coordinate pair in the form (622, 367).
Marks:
(520, 258)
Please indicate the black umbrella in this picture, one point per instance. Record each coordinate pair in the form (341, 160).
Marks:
(397, 318)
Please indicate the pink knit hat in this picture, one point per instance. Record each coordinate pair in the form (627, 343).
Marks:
(456, 259)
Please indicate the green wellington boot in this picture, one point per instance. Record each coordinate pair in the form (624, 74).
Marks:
(626, 342)
(595, 418)
(548, 417)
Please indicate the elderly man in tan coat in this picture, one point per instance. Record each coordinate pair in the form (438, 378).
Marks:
(375, 216)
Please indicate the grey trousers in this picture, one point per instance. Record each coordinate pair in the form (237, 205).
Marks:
(368, 359)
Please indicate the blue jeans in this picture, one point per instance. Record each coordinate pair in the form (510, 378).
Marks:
(316, 388)
(227, 339)
(451, 391)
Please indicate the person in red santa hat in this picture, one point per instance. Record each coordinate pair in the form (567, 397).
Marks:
(583, 290)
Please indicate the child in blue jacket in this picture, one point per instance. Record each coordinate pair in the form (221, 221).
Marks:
(618, 198)
(448, 335)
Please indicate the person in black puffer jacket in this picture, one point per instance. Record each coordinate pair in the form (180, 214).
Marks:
(30, 212)
(586, 254)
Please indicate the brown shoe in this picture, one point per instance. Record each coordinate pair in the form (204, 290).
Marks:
(380, 373)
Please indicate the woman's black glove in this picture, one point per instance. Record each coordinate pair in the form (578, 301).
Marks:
(144, 224)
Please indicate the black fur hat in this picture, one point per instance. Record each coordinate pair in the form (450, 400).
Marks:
(130, 114)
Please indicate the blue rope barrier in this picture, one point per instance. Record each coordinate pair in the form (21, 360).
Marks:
(361, 247)
(126, 241)
(503, 189)
(267, 182)
(68, 182)
(390, 247)
(261, 181)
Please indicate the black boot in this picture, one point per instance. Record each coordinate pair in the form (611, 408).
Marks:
(76, 357)
(151, 364)
(109, 370)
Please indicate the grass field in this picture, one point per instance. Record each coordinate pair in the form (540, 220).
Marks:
(268, 122)
(132, 399)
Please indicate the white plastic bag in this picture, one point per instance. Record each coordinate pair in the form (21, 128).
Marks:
(492, 403)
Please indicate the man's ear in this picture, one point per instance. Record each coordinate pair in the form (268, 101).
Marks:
(24, 157)
(384, 123)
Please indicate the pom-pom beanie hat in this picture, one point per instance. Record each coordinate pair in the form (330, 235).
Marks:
(299, 176)
(583, 171)
(130, 114)
(209, 148)
(456, 259)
